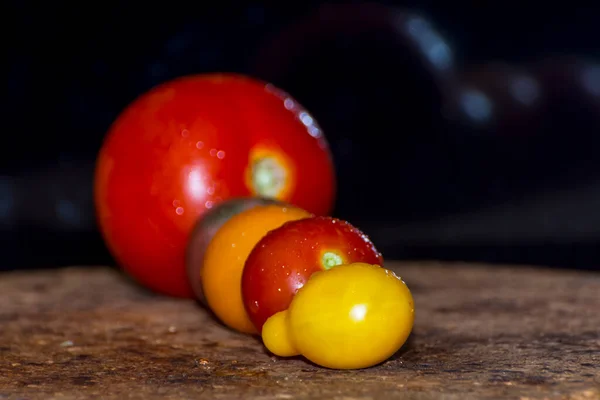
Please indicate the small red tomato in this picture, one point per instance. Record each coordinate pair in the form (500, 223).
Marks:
(188, 144)
(206, 228)
(283, 260)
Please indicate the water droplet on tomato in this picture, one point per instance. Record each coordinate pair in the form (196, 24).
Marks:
(210, 190)
(220, 154)
(288, 103)
(305, 118)
(199, 145)
(208, 204)
(185, 133)
(314, 132)
(176, 203)
(179, 210)
(212, 152)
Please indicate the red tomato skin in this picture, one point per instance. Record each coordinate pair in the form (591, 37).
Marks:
(171, 155)
(301, 142)
(188, 144)
(282, 262)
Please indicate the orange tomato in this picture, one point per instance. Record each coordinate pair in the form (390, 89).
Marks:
(206, 228)
(226, 255)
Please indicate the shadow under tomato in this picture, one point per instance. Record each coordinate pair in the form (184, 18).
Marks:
(408, 347)
(128, 280)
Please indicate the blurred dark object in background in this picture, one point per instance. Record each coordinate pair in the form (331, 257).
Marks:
(374, 78)
(438, 116)
(498, 99)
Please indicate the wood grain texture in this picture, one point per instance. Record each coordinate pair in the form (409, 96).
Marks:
(481, 332)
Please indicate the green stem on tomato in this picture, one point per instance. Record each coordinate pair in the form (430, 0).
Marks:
(268, 177)
(330, 260)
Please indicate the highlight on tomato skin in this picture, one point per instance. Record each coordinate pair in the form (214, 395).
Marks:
(284, 259)
(353, 316)
(185, 146)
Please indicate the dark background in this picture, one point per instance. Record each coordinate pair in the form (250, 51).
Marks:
(461, 131)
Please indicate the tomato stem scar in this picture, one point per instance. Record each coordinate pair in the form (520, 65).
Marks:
(330, 260)
(268, 177)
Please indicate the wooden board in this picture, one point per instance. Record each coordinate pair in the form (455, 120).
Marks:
(481, 332)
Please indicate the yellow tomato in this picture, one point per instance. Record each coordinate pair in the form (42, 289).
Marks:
(351, 316)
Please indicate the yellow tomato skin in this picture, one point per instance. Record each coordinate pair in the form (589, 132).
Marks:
(278, 340)
(349, 317)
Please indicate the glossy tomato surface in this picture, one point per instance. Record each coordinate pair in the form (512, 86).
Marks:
(353, 316)
(288, 161)
(188, 144)
(225, 258)
(284, 259)
(205, 230)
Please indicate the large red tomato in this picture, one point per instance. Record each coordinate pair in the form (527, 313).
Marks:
(188, 144)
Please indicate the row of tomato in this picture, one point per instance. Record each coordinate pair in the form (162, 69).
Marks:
(218, 187)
